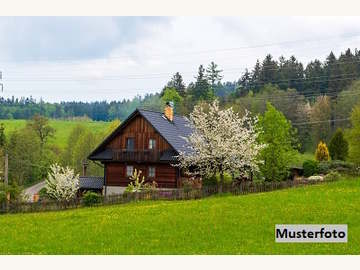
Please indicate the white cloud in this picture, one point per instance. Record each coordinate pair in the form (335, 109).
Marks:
(139, 56)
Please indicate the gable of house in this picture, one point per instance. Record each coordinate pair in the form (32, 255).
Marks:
(141, 126)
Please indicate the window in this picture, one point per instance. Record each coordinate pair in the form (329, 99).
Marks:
(151, 171)
(129, 170)
(152, 144)
(130, 144)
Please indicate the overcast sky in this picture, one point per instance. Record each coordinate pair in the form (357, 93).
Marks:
(111, 58)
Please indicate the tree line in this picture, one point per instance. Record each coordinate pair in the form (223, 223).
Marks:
(327, 77)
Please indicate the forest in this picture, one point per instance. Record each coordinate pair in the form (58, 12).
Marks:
(317, 100)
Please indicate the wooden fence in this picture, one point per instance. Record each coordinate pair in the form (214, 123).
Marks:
(159, 194)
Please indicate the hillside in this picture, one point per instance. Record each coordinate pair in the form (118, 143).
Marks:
(62, 127)
(217, 225)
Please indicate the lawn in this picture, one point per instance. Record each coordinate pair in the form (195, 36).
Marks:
(218, 225)
(62, 127)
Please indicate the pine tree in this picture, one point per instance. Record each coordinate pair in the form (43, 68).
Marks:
(322, 152)
(315, 81)
(202, 89)
(269, 71)
(177, 83)
(255, 77)
(291, 74)
(213, 74)
(333, 74)
(338, 146)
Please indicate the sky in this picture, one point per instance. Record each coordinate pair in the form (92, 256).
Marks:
(112, 58)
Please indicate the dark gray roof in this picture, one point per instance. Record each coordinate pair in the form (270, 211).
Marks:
(107, 154)
(91, 182)
(173, 132)
(169, 155)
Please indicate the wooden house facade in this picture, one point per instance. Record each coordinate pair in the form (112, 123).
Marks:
(148, 141)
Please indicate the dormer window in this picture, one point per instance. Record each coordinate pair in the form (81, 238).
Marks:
(152, 144)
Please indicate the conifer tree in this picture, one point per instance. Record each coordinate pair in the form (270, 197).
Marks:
(177, 83)
(322, 152)
(338, 146)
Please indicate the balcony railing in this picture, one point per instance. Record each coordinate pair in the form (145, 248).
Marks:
(137, 155)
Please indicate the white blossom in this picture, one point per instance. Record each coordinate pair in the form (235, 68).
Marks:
(62, 183)
(221, 141)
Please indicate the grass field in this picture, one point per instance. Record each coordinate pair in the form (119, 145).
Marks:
(218, 225)
(62, 127)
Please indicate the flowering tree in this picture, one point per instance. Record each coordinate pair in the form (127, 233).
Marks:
(221, 141)
(62, 183)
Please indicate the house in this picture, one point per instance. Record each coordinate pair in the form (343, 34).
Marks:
(148, 141)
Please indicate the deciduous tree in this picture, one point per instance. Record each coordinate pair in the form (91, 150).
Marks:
(221, 141)
(278, 153)
(353, 135)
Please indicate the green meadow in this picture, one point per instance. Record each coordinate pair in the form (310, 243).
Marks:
(217, 225)
(63, 128)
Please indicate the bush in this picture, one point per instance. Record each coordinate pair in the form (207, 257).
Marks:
(332, 176)
(91, 198)
(324, 167)
(13, 191)
(210, 181)
(337, 165)
(310, 167)
(322, 152)
(43, 194)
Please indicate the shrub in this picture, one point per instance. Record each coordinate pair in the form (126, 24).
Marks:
(310, 167)
(150, 186)
(187, 185)
(338, 146)
(332, 176)
(91, 198)
(13, 191)
(62, 183)
(324, 167)
(209, 181)
(43, 194)
(322, 152)
(137, 183)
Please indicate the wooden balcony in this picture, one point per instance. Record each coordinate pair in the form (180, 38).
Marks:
(136, 155)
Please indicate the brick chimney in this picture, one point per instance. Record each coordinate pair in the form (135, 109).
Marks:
(169, 111)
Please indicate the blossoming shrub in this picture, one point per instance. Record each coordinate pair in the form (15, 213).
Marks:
(62, 184)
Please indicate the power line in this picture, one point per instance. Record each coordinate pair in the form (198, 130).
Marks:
(168, 74)
(200, 51)
(320, 122)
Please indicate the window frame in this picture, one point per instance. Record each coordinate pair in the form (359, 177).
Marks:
(132, 171)
(149, 169)
(152, 145)
(126, 143)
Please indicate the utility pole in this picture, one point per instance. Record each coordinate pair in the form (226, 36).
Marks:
(6, 173)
